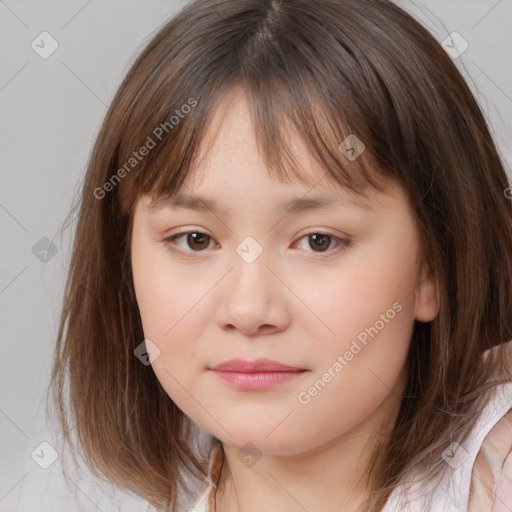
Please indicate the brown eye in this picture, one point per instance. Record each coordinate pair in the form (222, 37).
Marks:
(198, 241)
(322, 242)
(319, 241)
(195, 241)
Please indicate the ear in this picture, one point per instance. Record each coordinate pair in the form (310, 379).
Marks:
(427, 301)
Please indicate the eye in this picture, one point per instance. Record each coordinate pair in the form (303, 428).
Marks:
(194, 239)
(323, 241)
(198, 241)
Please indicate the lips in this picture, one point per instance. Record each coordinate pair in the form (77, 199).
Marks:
(256, 375)
(257, 366)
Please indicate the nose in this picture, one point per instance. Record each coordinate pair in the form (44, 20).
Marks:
(253, 299)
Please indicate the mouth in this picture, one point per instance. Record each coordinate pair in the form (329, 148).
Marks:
(259, 374)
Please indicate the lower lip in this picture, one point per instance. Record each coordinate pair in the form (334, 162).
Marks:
(258, 380)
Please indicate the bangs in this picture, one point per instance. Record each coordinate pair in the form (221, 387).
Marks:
(284, 113)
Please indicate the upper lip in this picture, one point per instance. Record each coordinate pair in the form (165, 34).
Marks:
(257, 366)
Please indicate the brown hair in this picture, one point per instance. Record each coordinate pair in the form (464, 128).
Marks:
(324, 69)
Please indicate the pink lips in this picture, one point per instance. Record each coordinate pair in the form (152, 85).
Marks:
(259, 374)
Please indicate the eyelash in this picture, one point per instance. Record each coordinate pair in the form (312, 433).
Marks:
(344, 243)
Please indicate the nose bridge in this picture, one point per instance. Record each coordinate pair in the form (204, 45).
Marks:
(251, 250)
(250, 267)
(250, 297)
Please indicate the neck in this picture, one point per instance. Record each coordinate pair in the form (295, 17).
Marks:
(330, 477)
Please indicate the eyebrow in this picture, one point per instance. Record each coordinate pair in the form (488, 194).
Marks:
(291, 207)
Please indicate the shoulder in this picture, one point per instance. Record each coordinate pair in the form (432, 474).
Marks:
(491, 477)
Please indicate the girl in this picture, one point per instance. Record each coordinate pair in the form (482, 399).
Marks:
(291, 282)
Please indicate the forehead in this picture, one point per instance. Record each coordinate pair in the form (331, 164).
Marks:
(218, 187)
(230, 149)
(230, 158)
(212, 195)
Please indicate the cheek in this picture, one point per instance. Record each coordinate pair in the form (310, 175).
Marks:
(379, 281)
(170, 304)
(367, 314)
(361, 362)
(153, 291)
(165, 294)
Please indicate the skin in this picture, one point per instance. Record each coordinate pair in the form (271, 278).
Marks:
(299, 303)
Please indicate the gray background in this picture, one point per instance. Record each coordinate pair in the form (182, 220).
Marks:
(51, 110)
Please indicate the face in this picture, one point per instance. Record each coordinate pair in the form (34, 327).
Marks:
(330, 291)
